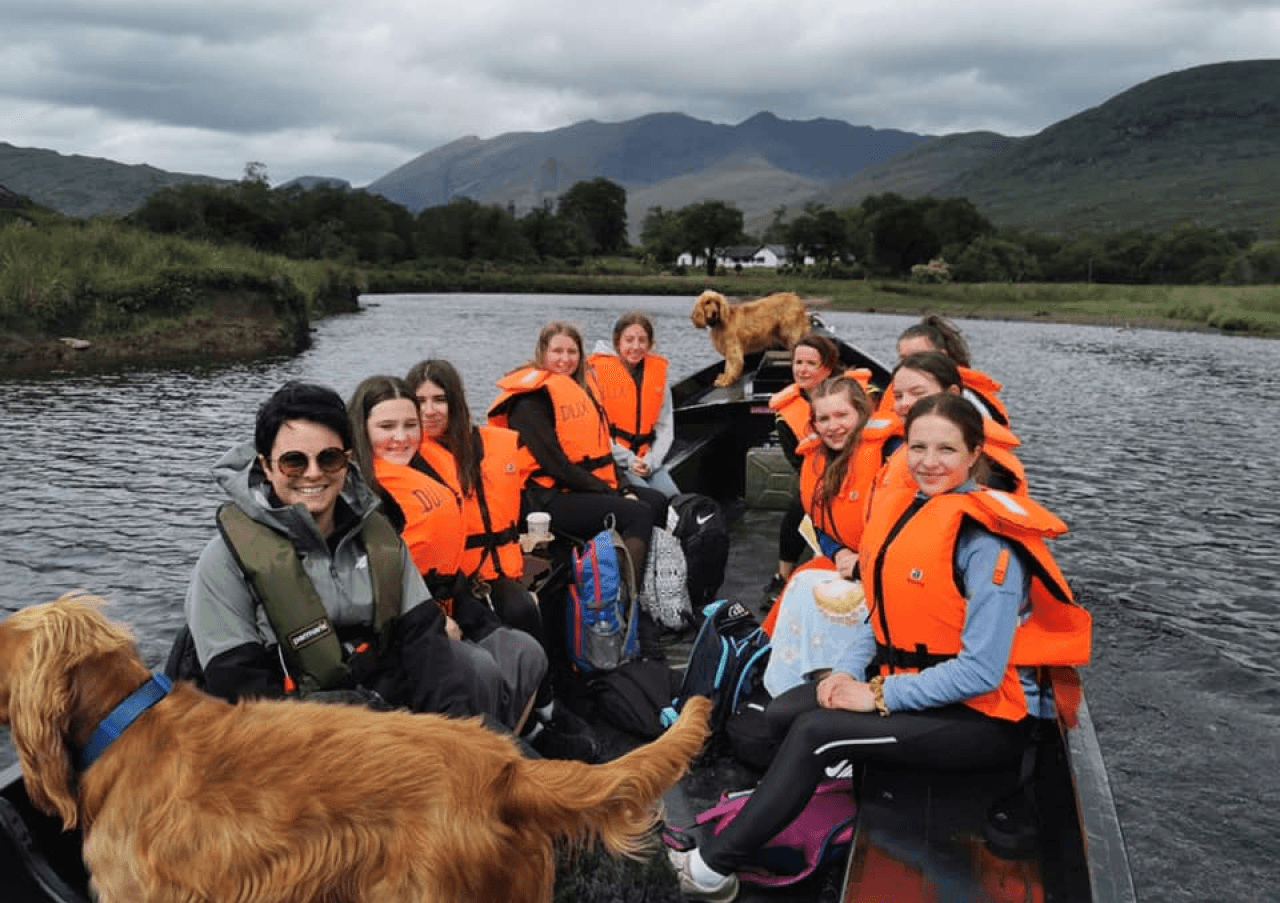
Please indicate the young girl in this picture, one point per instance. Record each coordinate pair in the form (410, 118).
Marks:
(636, 396)
(813, 359)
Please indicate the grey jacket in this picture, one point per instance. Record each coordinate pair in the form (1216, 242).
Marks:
(220, 609)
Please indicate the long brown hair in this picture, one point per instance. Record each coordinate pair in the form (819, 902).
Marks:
(459, 437)
(371, 392)
(838, 462)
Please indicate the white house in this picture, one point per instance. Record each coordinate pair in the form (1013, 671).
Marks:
(743, 256)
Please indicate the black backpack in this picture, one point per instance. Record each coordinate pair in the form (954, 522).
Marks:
(726, 663)
(703, 531)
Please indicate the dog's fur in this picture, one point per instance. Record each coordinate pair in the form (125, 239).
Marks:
(739, 329)
(293, 801)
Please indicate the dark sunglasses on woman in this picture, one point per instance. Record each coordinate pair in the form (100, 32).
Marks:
(330, 460)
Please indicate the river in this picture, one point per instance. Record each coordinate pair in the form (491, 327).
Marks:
(1160, 449)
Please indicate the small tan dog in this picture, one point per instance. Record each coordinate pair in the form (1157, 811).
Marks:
(739, 329)
(295, 802)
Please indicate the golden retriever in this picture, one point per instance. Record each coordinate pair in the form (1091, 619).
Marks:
(739, 329)
(281, 801)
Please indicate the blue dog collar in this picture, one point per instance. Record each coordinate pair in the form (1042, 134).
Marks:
(122, 716)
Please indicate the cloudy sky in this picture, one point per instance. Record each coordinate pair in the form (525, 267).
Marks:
(354, 89)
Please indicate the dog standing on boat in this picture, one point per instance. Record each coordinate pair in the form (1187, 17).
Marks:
(293, 801)
(739, 329)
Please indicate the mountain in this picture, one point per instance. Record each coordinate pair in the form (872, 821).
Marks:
(664, 158)
(1200, 146)
(83, 186)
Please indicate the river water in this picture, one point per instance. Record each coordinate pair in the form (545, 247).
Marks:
(1160, 449)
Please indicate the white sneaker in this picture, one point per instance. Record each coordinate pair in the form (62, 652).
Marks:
(723, 891)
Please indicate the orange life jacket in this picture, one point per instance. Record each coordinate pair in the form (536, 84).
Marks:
(987, 390)
(918, 612)
(582, 428)
(432, 514)
(633, 409)
(841, 517)
(491, 512)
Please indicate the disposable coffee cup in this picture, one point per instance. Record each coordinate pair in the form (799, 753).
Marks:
(539, 525)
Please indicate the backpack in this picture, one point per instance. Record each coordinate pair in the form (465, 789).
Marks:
(703, 531)
(822, 833)
(666, 598)
(602, 618)
(631, 696)
(726, 662)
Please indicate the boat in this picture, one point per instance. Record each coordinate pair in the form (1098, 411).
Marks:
(1049, 834)
(918, 836)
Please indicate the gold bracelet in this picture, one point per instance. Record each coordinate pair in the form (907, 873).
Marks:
(877, 690)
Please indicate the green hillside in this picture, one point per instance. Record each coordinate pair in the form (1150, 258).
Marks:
(1200, 147)
(83, 186)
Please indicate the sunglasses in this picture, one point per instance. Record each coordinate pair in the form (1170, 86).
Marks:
(330, 460)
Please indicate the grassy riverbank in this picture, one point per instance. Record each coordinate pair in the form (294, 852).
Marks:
(128, 296)
(1253, 310)
(84, 295)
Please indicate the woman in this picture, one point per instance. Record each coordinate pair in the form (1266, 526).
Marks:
(386, 434)
(966, 604)
(935, 333)
(926, 373)
(301, 547)
(635, 395)
(813, 359)
(550, 403)
(810, 627)
(486, 468)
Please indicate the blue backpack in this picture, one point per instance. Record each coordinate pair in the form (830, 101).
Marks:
(602, 622)
(726, 662)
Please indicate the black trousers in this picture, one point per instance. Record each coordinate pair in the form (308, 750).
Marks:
(821, 742)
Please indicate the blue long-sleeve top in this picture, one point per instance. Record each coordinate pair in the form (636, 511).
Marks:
(992, 615)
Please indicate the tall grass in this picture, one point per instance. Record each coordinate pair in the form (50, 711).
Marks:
(100, 276)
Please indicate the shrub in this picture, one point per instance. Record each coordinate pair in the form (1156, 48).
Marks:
(934, 272)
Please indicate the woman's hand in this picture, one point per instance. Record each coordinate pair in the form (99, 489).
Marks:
(640, 467)
(451, 628)
(846, 560)
(842, 691)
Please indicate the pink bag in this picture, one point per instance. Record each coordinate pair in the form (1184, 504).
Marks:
(822, 832)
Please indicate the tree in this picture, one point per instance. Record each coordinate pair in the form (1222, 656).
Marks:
(599, 209)
(662, 235)
(255, 171)
(709, 228)
(823, 234)
(550, 235)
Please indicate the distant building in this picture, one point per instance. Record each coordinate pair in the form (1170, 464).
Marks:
(744, 256)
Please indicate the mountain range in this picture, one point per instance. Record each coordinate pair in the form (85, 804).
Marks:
(1199, 146)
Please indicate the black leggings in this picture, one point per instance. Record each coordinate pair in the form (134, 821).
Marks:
(821, 741)
(791, 544)
(583, 514)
